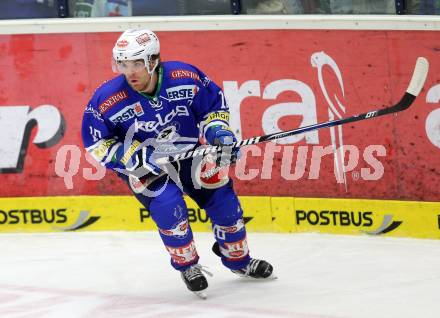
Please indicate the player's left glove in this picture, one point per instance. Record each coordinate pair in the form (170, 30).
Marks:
(221, 135)
(143, 162)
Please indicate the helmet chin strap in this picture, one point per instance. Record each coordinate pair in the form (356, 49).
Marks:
(151, 72)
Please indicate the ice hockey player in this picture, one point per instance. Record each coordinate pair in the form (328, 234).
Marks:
(150, 102)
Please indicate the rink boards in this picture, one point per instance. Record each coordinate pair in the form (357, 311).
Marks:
(51, 185)
(391, 157)
(261, 214)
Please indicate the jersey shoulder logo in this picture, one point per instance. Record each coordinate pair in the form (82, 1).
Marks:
(90, 110)
(176, 74)
(112, 100)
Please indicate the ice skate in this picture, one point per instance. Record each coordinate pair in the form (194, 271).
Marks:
(257, 268)
(195, 280)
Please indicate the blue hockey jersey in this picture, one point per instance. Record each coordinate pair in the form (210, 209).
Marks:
(118, 119)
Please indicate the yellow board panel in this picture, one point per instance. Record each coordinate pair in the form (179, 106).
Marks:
(283, 214)
(373, 217)
(109, 213)
(261, 214)
(256, 214)
(92, 213)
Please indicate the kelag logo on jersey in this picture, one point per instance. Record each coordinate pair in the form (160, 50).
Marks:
(128, 112)
(162, 120)
(182, 92)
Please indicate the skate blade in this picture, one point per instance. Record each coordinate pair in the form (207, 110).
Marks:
(270, 277)
(201, 294)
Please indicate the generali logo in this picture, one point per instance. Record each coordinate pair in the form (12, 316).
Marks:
(112, 100)
(185, 74)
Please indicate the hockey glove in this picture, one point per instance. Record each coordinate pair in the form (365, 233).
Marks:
(221, 135)
(143, 163)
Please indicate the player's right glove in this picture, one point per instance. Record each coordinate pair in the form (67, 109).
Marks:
(221, 135)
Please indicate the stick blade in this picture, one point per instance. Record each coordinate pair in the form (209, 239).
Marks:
(419, 76)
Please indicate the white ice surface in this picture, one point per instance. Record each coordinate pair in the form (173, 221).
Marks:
(119, 274)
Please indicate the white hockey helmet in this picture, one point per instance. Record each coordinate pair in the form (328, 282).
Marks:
(136, 44)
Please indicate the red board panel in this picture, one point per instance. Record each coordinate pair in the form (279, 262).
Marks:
(273, 80)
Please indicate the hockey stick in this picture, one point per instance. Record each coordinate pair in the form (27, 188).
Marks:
(414, 88)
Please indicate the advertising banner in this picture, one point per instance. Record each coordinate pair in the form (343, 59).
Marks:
(260, 214)
(273, 80)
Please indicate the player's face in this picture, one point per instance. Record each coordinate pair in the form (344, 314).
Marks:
(136, 74)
